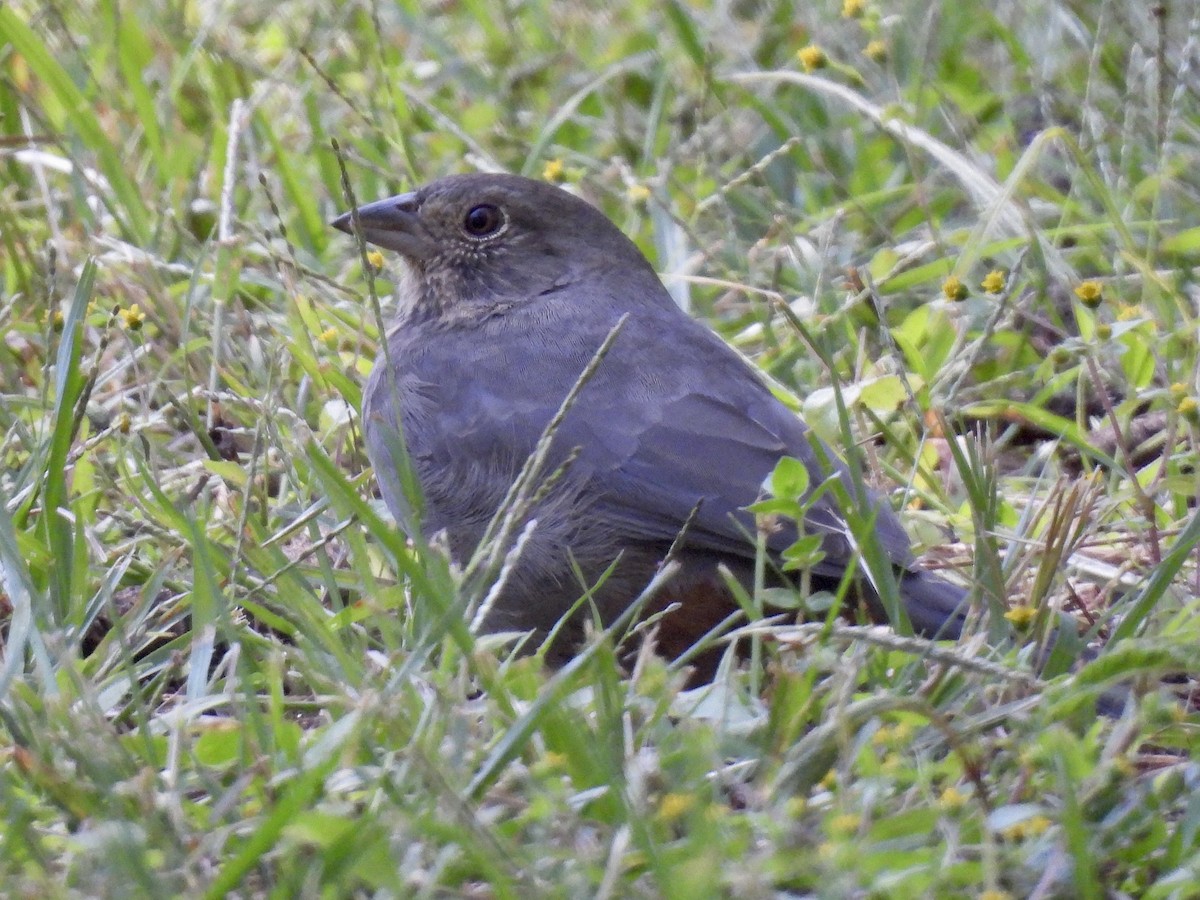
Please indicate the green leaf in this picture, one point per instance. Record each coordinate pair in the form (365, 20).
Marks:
(69, 386)
(789, 479)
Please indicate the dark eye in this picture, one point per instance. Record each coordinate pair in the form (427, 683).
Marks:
(483, 220)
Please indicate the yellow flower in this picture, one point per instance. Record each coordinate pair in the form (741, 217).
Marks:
(674, 805)
(993, 282)
(952, 799)
(827, 850)
(1127, 312)
(123, 423)
(1021, 616)
(892, 735)
(328, 337)
(551, 764)
(954, 289)
(638, 193)
(55, 319)
(1090, 293)
(133, 317)
(844, 824)
(553, 170)
(375, 259)
(1189, 408)
(812, 57)
(852, 9)
(876, 50)
(1179, 390)
(1027, 828)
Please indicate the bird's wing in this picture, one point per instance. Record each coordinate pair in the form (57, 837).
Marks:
(668, 428)
(707, 453)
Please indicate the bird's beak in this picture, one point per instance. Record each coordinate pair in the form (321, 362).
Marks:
(394, 224)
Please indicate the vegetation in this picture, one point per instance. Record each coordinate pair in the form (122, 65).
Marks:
(963, 233)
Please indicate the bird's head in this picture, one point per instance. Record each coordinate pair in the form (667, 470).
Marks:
(485, 240)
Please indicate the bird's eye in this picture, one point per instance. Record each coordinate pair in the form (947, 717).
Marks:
(483, 220)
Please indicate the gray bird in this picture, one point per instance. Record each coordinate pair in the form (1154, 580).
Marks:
(512, 285)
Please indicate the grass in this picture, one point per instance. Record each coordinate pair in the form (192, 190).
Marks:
(223, 672)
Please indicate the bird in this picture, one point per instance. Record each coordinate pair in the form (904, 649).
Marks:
(510, 287)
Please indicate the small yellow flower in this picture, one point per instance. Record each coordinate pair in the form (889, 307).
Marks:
(55, 319)
(892, 735)
(123, 423)
(954, 289)
(551, 763)
(852, 9)
(133, 317)
(829, 782)
(827, 850)
(1189, 408)
(1036, 826)
(328, 337)
(812, 57)
(844, 824)
(675, 805)
(1090, 293)
(1027, 828)
(876, 50)
(1021, 616)
(993, 282)
(553, 170)
(952, 799)
(1127, 312)
(375, 259)
(638, 193)
(1179, 390)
